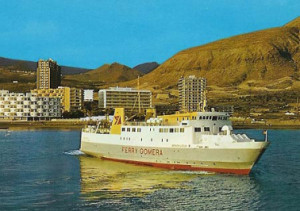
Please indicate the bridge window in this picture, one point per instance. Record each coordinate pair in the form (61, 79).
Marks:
(197, 129)
(206, 129)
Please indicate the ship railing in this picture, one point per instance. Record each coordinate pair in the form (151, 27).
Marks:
(94, 129)
(148, 124)
(241, 138)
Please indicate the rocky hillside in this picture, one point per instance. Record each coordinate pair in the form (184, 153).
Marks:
(268, 58)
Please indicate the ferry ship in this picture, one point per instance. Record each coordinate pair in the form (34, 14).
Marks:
(196, 141)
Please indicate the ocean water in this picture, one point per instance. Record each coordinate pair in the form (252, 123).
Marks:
(44, 170)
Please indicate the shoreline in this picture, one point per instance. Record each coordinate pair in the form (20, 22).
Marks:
(265, 127)
(12, 125)
(78, 125)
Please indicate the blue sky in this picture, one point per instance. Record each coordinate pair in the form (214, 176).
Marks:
(90, 33)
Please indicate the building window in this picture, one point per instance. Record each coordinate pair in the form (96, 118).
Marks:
(181, 130)
(165, 130)
(139, 130)
(128, 129)
(206, 129)
(160, 130)
(171, 130)
(133, 129)
(214, 118)
(176, 130)
(197, 129)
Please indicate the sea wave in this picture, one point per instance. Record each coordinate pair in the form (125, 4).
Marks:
(74, 152)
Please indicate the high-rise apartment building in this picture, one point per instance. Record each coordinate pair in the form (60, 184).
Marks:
(48, 74)
(192, 93)
(71, 98)
(128, 98)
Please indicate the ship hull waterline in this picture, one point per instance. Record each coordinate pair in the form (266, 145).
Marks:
(233, 161)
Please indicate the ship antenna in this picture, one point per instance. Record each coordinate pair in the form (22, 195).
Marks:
(139, 95)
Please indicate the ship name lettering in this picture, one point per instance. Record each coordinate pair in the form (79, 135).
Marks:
(129, 150)
(145, 151)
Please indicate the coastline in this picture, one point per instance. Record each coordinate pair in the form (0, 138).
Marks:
(264, 127)
(27, 125)
(78, 125)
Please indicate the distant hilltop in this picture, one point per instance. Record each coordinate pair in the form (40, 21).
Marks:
(102, 76)
(146, 67)
(23, 65)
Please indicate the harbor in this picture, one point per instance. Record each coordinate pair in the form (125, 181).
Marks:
(72, 180)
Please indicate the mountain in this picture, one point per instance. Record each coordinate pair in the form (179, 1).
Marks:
(106, 74)
(146, 67)
(23, 65)
(66, 70)
(18, 64)
(267, 59)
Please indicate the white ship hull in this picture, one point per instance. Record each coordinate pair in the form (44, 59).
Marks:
(221, 156)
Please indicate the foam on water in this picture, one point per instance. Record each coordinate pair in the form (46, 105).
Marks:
(192, 172)
(74, 152)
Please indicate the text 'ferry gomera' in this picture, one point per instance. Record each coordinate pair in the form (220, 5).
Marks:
(201, 141)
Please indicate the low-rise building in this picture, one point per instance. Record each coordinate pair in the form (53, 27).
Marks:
(71, 98)
(28, 106)
(128, 98)
(88, 95)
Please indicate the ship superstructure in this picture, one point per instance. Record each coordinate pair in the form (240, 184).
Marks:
(202, 141)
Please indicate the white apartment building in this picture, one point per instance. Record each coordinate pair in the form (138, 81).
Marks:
(28, 106)
(128, 98)
(88, 95)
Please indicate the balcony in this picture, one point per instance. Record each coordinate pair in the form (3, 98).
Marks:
(33, 114)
